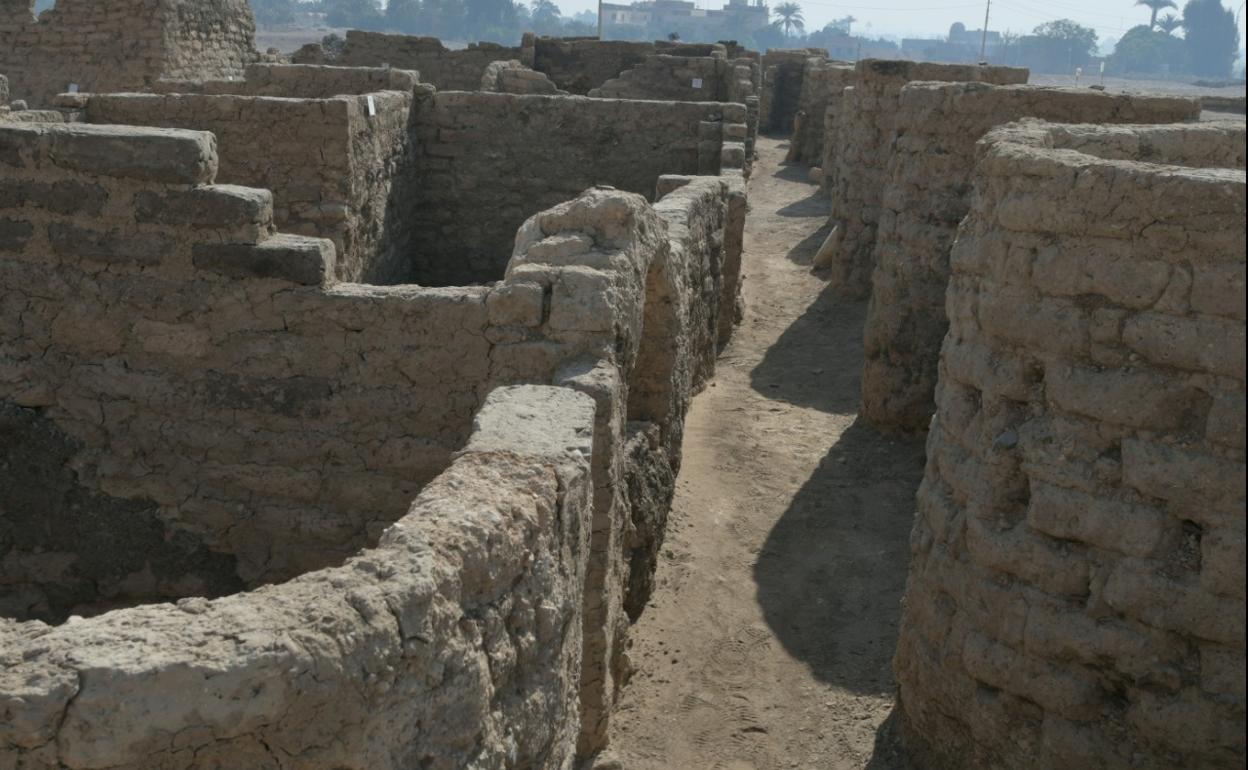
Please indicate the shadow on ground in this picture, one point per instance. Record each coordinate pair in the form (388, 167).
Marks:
(817, 362)
(832, 570)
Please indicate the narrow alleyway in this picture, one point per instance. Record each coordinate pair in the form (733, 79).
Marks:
(769, 639)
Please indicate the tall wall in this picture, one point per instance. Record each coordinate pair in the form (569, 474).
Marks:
(864, 135)
(199, 407)
(926, 195)
(445, 69)
(1076, 586)
(121, 45)
(335, 171)
(781, 93)
(488, 161)
(822, 85)
(198, 373)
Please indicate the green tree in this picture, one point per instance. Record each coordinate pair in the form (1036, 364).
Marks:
(273, 12)
(403, 15)
(1154, 6)
(789, 18)
(1058, 46)
(1146, 51)
(1211, 36)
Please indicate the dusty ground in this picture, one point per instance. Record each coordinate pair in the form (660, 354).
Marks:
(769, 639)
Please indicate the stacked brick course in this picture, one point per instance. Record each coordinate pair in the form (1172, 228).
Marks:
(121, 45)
(926, 194)
(1076, 589)
(822, 85)
(863, 136)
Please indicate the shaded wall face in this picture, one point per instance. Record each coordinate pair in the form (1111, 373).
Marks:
(927, 193)
(1076, 592)
(168, 382)
(577, 66)
(488, 161)
(443, 68)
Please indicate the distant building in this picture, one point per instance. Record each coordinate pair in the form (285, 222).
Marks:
(680, 14)
(961, 46)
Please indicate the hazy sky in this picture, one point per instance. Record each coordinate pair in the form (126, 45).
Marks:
(923, 18)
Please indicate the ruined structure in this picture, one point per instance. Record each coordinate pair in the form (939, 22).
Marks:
(512, 77)
(688, 76)
(926, 194)
(823, 82)
(782, 71)
(1076, 590)
(212, 406)
(863, 135)
(330, 143)
(121, 45)
(442, 67)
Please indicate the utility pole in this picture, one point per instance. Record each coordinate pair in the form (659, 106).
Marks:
(983, 41)
(600, 19)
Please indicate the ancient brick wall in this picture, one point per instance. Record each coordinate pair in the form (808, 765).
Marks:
(335, 171)
(250, 419)
(781, 90)
(926, 195)
(298, 81)
(445, 69)
(512, 77)
(455, 642)
(167, 342)
(1076, 586)
(863, 135)
(673, 78)
(120, 45)
(513, 155)
(822, 84)
(577, 65)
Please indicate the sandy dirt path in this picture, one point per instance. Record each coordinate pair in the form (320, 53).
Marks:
(769, 639)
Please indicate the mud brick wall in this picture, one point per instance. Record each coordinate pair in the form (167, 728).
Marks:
(167, 351)
(864, 135)
(822, 84)
(335, 171)
(185, 362)
(455, 642)
(577, 65)
(298, 81)
(927, 193)
(666, 77)
(121, 45)
(781, 91)
(487, 161)
(445, 69)
(1076, 586)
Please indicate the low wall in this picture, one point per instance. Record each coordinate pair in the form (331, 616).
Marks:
(188, 363)
(121, 45)
(442, 67)
(173, 363)
(864, 135)
(822, 85)
(926, 194)
(673, 78)
(455, 642)
(335, 170)
(1076, 586)
(513, 155)
(298, 81)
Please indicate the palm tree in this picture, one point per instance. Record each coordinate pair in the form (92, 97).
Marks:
(789, 18)
(1169, 23)
(1155, 6)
